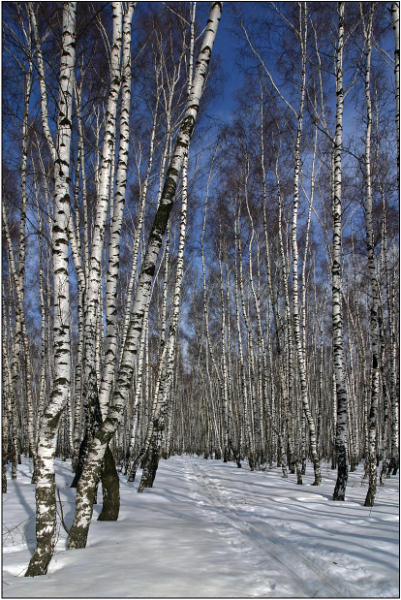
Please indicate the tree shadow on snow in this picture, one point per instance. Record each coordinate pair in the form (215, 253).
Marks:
(30, 527)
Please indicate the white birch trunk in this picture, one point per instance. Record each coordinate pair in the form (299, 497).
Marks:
(227, 433)
(210, 352)
(42, 83)
(137, 405)
(116, 221)
(9, 395)
(20, 359)
(295, 303)
(246, 400)
(93, 292)
(45, 483)
(261, 393)
(285, 385)
(374, 305)
(337, 319)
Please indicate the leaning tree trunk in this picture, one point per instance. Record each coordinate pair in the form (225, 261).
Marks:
(85, 490)
(45, 482)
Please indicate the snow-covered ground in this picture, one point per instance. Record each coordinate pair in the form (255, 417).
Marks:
(209, 529)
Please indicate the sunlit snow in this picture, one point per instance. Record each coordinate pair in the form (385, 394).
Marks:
(209, 529)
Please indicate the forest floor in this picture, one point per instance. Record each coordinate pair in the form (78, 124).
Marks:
(209, 529)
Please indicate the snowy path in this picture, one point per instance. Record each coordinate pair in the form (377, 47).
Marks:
(298, 575)
(208, 529)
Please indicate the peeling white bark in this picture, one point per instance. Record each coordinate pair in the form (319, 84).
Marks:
(336, 278)
(45, 482)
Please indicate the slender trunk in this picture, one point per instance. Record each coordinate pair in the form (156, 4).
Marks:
(295, 294)
(228, 441)
(239, 297)
(337, 319)
(137, 405)
(45, 483)
(374, 307)
(285, 383)
(42, 82)
(261, 395)
(210, 351)
(116, 220)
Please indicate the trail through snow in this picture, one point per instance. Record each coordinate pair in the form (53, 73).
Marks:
(209, 529)
(292, 569)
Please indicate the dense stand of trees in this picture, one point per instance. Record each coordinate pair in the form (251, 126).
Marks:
(229, 289)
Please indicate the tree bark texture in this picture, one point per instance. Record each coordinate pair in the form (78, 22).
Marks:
(45, 482)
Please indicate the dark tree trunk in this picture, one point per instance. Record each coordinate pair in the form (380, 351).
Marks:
(111, 488)
(150, 464)
(80, 461)
(342, 472)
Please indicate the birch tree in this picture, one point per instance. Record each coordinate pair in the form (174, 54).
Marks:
(338, 349)
(370, 247)
(94, 411)
(45, 482)
(296, 319)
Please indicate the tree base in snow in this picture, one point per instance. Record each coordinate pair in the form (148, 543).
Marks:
(111, 489)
